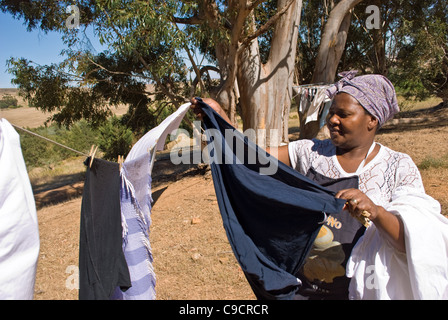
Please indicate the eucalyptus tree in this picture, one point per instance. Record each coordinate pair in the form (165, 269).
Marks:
(141, 67)
(252, 45)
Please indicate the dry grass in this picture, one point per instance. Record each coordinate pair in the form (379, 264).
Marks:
(407, 105)
(27, 117)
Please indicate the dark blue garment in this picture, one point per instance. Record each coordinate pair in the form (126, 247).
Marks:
(271, 220)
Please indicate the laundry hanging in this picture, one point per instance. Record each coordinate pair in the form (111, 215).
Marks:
(135, 199)
(271, 220)
(19, 234)
(102, 265)
(313, 102)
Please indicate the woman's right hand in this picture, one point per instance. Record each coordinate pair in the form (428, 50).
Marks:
(212, 103)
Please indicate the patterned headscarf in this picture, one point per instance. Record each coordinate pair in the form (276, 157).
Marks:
(374, 92)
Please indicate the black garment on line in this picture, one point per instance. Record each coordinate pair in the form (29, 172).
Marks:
(271, 220)
(102, 265)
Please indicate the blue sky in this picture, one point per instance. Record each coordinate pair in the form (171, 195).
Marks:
(16, 41)
(37, 46)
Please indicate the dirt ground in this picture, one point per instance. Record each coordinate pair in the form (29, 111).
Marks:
(192, 256)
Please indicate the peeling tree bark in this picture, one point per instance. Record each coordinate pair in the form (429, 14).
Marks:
(333, 41)
(266, 89)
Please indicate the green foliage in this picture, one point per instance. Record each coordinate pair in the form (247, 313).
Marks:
(422, 68)
(415, 36)
(39, 152)
(115, 139)
(145, 48)
(8, 101)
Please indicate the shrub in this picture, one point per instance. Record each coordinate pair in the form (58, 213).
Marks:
(8, 101)
(115, 139)
(38, 152)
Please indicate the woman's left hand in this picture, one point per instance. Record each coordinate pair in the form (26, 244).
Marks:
(358, 203)
(391, 225)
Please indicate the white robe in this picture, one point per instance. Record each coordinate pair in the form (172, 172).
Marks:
(19, 234)
(379, 271)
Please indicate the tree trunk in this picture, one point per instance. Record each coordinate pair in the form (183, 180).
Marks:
(333, 41)
(330, 51)
(266, 90)
(379, 47)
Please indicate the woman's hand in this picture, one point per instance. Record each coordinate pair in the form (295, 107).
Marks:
(212, 103)
(358, 204)
(390, 225)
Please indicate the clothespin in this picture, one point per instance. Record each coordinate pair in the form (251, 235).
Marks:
(152, 151)
(120, 160)
(364, 218)
(92, 154)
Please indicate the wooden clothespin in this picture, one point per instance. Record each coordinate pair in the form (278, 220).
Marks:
(92, 154)
(364, 218)
(120, 161)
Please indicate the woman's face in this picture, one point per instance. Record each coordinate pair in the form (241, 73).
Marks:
(349, 124)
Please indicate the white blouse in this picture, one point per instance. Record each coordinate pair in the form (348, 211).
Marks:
(378, 179)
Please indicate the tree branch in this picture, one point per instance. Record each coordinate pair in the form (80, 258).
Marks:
(263, 29)
(203, 70)
(167, 92)
(254, 4)
(191, 20)
(109, 71)
(193, 63)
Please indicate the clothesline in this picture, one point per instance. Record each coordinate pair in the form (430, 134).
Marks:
(298, 89)
(49, 140)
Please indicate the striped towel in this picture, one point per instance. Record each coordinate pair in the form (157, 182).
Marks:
(135, 197)
(136, 207)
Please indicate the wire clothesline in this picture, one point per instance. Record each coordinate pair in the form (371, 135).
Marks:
(49, 140)
(92, 150)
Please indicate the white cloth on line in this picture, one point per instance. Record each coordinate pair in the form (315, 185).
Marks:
(19, 232)
(320, 97)
(312, 99)
(136, 200)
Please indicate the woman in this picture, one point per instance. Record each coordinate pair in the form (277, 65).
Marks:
(391, 260)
